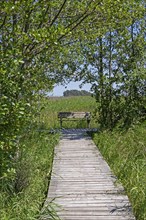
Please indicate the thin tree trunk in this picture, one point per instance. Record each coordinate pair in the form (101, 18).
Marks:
(110, 82)
(101, 86)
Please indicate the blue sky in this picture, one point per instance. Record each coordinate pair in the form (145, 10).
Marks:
(58, 90)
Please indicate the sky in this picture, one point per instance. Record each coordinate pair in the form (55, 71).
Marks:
(58, 90)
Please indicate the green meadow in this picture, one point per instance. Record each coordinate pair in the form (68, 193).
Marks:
(24, 191)
(53, 105)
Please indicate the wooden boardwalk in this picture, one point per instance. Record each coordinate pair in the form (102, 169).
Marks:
(82, 185)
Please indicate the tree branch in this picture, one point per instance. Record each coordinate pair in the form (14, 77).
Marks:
(56, 16)
(3, 23)
(26, 25)
(76, 25)
(43, 17)
(79, 20)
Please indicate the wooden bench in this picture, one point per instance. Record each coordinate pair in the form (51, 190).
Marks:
(74, 116)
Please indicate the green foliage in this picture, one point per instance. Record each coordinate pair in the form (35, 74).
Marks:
(41, 44)
(114, 64)
(31, 33)
(22, 196)
(125, 153)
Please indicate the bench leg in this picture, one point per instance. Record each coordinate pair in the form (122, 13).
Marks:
(88, 123)
(61, 123)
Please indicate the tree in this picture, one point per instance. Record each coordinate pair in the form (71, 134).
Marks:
(31, 36)
(114, 64)
(75, 92)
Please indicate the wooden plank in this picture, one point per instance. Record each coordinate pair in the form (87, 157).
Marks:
(82, 185)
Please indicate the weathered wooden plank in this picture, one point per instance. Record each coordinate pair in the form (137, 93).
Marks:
(90, 197)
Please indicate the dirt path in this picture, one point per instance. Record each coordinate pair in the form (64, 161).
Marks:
(82, 185)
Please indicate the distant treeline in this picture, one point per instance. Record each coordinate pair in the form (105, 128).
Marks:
(75, 92)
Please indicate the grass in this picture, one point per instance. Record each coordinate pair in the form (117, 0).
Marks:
(55, 105)
(24, 195)
(126, 154)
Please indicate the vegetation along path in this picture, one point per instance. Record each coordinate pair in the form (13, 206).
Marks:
(82, 185)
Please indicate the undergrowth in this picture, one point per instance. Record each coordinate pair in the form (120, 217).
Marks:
(126, 154)
(22, 197)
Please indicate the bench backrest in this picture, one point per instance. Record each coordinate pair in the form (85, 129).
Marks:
(74, 115)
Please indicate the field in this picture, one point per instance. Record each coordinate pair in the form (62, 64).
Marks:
(24, 192)
(52, 106)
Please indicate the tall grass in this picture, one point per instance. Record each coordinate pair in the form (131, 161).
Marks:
(126, 154)
(22, 197)
(54, 105)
